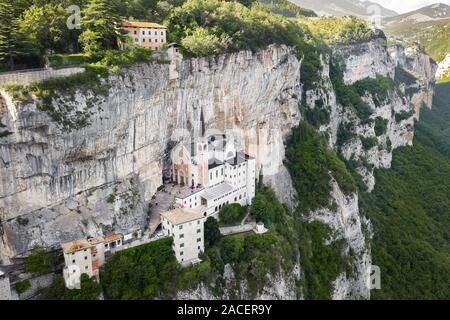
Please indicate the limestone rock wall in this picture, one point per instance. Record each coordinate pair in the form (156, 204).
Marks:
(58, 184)
(55, 182)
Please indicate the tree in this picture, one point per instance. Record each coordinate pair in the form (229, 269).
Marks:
(11, 40)
(101, 17)
(89, 289)
(46, 27)
(212, 232)
(203, 43)
(144, 272)
(232, 213)
(40, 261)
(91, 42)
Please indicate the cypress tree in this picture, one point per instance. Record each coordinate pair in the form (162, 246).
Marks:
(102, 18)
(13, 44)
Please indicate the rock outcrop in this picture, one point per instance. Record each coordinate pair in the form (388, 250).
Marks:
(56, 182)
(59, 183)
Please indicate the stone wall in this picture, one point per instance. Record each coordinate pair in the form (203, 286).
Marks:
(27, 77)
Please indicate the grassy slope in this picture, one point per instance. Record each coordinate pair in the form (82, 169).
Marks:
(434, 36)
(410, 211)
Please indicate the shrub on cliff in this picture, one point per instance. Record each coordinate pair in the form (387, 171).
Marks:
(312, 165)
(89, 290)
(232, 214)
(22, 286)
(339, 30)
(145, 272)
(212, 232)
(40, 261)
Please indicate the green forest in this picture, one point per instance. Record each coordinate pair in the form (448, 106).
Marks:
(33, 31)
(409, 209)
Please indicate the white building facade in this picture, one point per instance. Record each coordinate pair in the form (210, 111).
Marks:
(213, 174)
(186, 228)
(86, 256)
(145, 34)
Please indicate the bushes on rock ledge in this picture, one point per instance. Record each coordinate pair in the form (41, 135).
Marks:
(209, 27)
(312, 165)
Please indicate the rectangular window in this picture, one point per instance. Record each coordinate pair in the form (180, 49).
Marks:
(180, 227)
(199, 239)
(199, 230)
(181, 253)
(182, 245)
(181, 236)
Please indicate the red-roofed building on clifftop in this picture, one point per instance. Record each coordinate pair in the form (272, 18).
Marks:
(145, 34)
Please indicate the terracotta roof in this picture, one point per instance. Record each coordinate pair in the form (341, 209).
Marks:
(113, 237)
(181, 215)
(75, 246)
(137, 24)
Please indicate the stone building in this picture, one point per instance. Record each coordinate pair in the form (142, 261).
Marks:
(211, 174)
(186, 228)
(87, 256)
(145, 34)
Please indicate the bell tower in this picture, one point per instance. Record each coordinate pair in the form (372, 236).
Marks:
(202, 159)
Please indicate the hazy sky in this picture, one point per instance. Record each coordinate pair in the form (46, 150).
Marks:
(402, 6)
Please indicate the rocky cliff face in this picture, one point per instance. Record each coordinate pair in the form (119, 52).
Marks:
(421, 66)
(58, 184)
(397, 112)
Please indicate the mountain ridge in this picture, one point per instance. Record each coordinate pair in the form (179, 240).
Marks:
(345, 8)
(437, 11)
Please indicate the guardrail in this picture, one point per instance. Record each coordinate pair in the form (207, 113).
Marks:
(29, 76)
